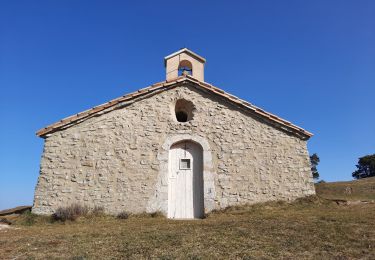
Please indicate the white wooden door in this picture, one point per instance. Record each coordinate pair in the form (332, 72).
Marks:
(185, 196)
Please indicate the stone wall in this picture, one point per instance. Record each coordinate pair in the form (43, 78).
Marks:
(114, 160)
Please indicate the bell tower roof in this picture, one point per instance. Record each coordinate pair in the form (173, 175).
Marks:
(184, 50)
(184, 62)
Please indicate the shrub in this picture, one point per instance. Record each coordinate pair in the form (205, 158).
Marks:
(71, 212)
(123, 215)
(156, 214)
(28, 218)
(97, 211)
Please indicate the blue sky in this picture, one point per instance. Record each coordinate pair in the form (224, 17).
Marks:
(310, 62)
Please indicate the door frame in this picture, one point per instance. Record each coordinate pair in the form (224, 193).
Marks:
(159, 201)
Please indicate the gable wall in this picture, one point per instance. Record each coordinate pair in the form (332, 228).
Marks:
(113, 160)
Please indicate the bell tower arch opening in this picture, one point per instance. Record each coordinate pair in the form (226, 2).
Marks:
(185, 68)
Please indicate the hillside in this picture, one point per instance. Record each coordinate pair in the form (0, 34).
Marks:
(363, 189)
(310, 228)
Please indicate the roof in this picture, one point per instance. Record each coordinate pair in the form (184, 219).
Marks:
(187, 51)
(165, 85)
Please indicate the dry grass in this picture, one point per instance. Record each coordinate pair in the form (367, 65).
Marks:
(363, 189)
(312, 228)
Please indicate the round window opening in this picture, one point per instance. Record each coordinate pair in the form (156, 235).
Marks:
(184, 110)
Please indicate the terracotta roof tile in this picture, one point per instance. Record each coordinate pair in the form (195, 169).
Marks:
(165, 84)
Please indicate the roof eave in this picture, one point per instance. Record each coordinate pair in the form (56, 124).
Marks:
(44, 132)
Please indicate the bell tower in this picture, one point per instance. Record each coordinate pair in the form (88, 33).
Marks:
(184, 62)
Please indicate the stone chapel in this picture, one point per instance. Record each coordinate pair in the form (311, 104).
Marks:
(181, 146)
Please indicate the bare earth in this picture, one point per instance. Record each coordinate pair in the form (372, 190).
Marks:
(313, 228)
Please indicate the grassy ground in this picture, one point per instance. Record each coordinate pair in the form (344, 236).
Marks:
(313, 228)
(363, 189)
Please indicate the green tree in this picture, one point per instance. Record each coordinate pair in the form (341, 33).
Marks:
(314, 160)
(365, 167)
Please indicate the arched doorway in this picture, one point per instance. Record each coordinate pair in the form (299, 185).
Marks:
(185, 181)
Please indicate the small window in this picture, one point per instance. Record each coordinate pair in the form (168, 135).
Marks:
(183, 110)
(185, 164)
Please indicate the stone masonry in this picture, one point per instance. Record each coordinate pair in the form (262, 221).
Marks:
(113, 159)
